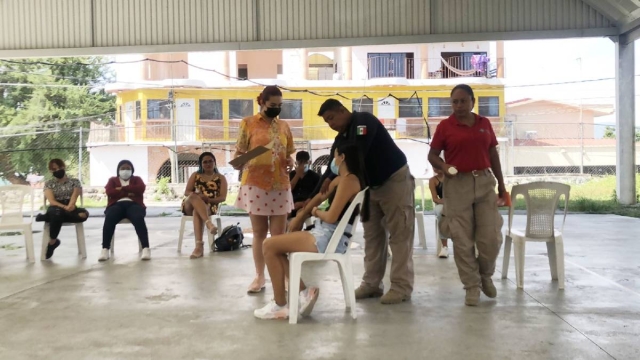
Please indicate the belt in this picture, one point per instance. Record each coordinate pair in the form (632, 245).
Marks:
(476, 173)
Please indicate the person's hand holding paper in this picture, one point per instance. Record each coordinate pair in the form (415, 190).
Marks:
(239, 162)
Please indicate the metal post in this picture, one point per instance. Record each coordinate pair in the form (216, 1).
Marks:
(174, 137)
(80, 154)
(625, 123)
(581, 142)
(581, 127)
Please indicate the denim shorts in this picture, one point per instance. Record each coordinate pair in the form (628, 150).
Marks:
(323, 231)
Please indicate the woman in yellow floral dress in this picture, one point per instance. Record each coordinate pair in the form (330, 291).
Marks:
(265, 191)
(206, 189)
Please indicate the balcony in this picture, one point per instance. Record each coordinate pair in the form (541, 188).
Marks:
(161, 131)
(451, 67)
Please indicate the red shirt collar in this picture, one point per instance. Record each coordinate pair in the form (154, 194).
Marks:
(454, 121)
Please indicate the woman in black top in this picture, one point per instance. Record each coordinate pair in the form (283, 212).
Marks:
(347, 164)
(61, 192)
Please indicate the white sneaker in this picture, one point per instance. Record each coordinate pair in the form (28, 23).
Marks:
(444, 252)
(272, 311)
(104, 255)
(146, 254)
(308, 299)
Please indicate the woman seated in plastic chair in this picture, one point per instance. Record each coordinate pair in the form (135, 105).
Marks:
(125, 194)
(62, 192)
(436, 184)
(347, 164)
(206, 189)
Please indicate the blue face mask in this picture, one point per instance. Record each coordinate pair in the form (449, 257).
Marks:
(334, 167)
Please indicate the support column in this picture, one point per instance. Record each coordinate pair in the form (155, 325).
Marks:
(304, 63)
(225, 65)
(500, 59)
(424, 61)
(346, 63)
(625, 124)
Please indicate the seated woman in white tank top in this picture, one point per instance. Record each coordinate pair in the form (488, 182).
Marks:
(347, 164)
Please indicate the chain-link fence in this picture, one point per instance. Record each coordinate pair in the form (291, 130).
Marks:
(91, 151)
(25, 154)
(542, 148)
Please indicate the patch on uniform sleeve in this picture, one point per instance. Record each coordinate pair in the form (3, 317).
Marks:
(362, 130)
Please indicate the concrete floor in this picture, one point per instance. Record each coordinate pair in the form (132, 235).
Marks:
(175, 308)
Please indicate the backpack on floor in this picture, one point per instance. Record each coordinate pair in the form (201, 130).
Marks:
(231, 239)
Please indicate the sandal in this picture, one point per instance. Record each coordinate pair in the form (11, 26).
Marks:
(195, 254)
(256, 287)
(212, 229)
(308, 298)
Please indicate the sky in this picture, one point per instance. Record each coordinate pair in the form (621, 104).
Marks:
(574, 62)
(569, 60)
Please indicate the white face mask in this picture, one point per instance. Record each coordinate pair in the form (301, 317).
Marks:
(125, 174)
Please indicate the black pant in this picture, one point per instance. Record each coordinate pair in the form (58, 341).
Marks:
(56, 216)
(120, 211)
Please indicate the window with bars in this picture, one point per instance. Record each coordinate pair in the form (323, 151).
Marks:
(489, 106)
(362, 105)
(158, 109)
(138, 110)
(410, 108)
(210, 109)
(240, 108)
(291, 109)
(439, 107)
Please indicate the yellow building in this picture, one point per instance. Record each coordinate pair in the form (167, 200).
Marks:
(149, 132)
(208, 115)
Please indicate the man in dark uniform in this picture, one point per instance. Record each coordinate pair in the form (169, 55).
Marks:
(391, 203)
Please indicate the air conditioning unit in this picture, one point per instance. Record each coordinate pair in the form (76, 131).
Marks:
(531, 135)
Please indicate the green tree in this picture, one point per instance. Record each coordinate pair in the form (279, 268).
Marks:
(610, 133)
(44, 106)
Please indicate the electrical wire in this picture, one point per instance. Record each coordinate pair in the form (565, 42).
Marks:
(115, 62)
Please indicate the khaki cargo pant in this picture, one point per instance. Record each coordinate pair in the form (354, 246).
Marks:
(471, 218)
(392, 210)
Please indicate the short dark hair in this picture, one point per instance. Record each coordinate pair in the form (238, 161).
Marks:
(303, 156)
(58, 162)
(123, 162)
(329, 105)
(466, 88)
(267, 93)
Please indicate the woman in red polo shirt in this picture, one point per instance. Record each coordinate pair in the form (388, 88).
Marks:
(470, 213)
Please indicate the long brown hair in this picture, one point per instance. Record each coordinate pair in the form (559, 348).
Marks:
(267, 93)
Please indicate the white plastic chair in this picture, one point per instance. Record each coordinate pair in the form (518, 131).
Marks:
(438, 242)
(12, 198)
(113, 239)
(186, 219)
(296, 260)
(542, 201)
(82, 247)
